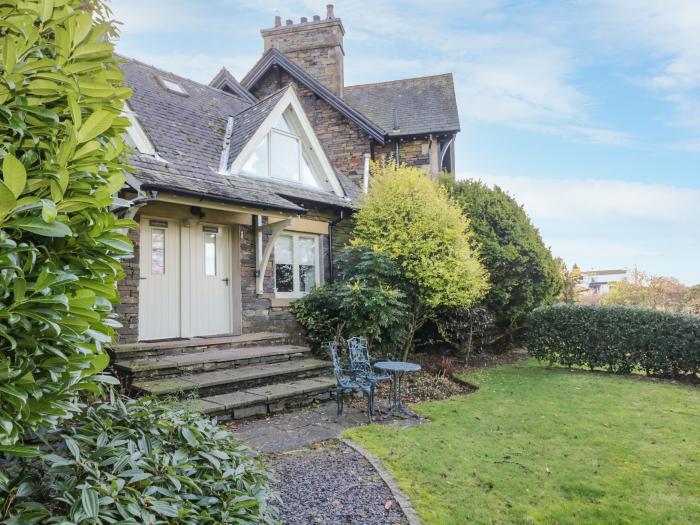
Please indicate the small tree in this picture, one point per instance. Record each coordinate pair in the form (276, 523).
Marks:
(61, 97)
(571, 290)
(415, 222)
(649, 291)
(524, 275)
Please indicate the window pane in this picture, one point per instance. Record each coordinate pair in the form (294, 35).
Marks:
(285, 157)
(257, 163)
(283, 249)
(157, 251)
(284, 277)
(284, 267)
(209, 254)
(307, 263)
(307, 176)
(283, 124)
(307, 277)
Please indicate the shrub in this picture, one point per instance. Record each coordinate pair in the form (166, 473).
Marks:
(60, 101)
(137, 462)
(524, 275)
(411, 218)
(619, 338)
(364, 301)
(466, 329)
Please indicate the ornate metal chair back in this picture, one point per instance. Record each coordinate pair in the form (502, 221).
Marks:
(338, 368)
(359, 353)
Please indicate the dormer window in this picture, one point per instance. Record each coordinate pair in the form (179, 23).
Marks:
(282, 155)
(173, 86)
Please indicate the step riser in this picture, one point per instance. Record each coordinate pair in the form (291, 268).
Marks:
(176, 371)
(163, 352)
(273, 407)
(250, 383)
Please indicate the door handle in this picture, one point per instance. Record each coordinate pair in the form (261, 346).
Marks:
(142, 278)
(226, 280)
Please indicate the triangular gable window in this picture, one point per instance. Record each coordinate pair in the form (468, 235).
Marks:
(284, 154)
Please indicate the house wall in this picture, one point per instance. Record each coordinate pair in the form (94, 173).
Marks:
(414, 153)
(259, 312)
(344, 143)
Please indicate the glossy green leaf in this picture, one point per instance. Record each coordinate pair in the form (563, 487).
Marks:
(14, 174)
(97, 123)
(40, 227)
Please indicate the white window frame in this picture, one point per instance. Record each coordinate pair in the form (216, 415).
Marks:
(297, 293)
(300, 153)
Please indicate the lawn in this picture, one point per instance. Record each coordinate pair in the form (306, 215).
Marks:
(546, 445)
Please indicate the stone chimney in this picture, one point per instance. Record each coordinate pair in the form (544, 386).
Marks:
(316, 46)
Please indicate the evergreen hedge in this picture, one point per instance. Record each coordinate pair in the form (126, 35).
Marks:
(620, 338)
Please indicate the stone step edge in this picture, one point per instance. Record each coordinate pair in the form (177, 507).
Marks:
(198, 342)
(187, 382)
(167, 362)
(256, 397)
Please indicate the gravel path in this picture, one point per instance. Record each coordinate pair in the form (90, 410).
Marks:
(331, 484)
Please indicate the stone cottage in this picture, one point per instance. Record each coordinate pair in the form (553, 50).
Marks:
(241, 191)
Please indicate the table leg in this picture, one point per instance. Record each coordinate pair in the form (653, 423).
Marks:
(396, 407)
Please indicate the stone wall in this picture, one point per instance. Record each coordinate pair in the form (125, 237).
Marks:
(128, 309)
(344, 143)
(415, 153)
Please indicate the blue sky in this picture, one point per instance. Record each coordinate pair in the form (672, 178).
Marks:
(587, 111)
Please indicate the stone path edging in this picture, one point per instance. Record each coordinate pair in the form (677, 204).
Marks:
(399, 495)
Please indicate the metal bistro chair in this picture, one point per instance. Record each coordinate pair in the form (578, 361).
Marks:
(346, 380)
(361, 364)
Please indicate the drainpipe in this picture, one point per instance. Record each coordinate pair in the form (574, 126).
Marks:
(365, 174)
(330, 246)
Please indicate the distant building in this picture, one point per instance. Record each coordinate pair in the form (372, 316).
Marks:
(597, 282)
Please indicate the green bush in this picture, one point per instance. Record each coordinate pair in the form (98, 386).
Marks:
(524, 275)
(135, 462)
(620, 338)
(364, 301)
(60, 127)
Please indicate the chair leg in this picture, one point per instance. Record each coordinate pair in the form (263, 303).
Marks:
(339, 403)
(370, 403)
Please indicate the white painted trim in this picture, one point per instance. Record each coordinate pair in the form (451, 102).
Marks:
(297, 293)
(137, 134)
(276, 229)
(290, 99)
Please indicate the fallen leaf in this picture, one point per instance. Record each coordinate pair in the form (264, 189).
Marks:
(388, 504)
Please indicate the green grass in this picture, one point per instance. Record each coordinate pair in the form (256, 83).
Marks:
(546, 445)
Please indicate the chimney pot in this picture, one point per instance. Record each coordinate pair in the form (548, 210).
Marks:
(290, 22)
(317, 18)
(304, 19)
(329, 12)
(278, 21)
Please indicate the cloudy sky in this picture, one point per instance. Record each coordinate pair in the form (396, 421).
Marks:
(587, 111)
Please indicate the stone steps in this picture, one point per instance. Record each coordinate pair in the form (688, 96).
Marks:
(179, 364)
(228, 377)
(221, 381)
(198, 344)
(266, 399)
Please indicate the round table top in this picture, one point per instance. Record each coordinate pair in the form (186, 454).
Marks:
(397, 366)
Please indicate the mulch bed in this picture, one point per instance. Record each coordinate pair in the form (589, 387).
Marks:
(331, 484)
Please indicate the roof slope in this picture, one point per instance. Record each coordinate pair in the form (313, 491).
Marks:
(274, 57)
(188, 134)
(423, 105)
(225, 81)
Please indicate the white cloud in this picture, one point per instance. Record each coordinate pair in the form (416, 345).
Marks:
(612, 222)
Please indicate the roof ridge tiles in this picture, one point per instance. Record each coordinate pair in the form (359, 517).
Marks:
(423, 77)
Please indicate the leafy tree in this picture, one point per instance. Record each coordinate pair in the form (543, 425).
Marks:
(61, 97)
(413, 219)
(524, 275)
(364, 301)
(648, 291)
(572, 279)
(691, 301)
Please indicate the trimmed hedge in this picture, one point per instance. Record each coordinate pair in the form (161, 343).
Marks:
(620, 338)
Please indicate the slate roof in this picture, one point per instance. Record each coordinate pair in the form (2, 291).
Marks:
(188, 133)
(225, 81)
(422, 105)
(274, 57)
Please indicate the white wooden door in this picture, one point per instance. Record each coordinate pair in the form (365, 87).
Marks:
(210, 281)
(159, 287)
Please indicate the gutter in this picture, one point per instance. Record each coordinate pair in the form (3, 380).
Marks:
(330, 245)
(225, 200)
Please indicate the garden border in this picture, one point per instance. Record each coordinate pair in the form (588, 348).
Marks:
(399, 495)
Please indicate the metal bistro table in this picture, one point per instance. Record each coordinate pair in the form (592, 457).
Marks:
(397, 369)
